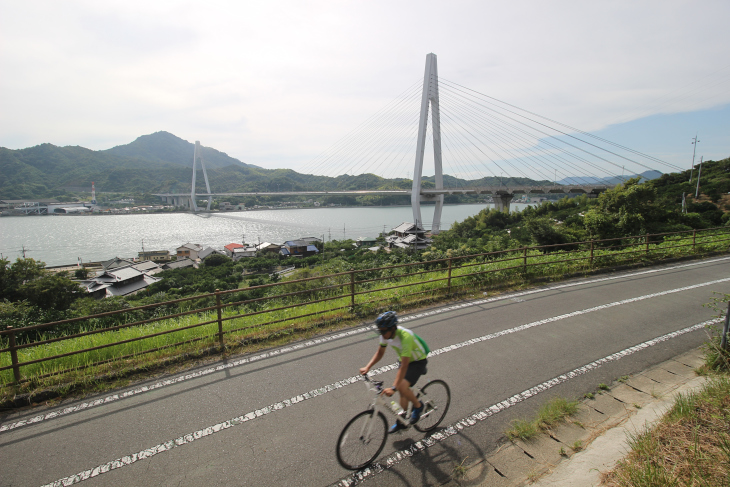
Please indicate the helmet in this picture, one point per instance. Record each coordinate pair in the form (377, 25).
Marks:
(387, 321)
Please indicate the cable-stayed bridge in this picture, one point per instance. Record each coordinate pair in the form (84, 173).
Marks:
(484, 145)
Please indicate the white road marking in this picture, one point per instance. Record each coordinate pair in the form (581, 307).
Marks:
(473, 419)
(309, 343)
(189, 438)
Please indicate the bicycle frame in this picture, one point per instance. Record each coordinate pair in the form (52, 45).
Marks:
(379, 404)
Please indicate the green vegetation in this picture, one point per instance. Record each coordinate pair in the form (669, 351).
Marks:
(30, 295)
(690, 446)
(162, 163)
(555, 411)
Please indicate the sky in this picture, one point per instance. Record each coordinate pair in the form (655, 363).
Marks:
(276, 84)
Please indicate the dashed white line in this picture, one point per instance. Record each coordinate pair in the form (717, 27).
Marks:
(309, 343)
(189, 438)
(473, 419)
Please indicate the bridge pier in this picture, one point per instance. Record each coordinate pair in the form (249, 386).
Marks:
(502, 201)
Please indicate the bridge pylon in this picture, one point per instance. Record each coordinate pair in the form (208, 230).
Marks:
(198, 156)
(430, 97)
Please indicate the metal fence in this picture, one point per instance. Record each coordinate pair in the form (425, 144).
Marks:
(258, 312)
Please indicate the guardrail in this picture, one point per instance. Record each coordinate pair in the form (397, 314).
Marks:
(98, 340)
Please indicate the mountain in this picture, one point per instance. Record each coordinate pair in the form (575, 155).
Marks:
(168, 148)
(162, 163)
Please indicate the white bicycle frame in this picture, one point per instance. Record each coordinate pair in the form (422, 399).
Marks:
(379, 405)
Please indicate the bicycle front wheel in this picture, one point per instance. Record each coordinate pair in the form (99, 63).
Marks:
(362, 440)
(437, 397)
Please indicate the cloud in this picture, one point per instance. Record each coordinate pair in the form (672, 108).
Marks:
(277, 83)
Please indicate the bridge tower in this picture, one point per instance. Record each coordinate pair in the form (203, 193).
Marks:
(430, 97)
(198, 156)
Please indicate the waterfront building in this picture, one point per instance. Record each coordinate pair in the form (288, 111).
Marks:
(189, 250)
(155, 255)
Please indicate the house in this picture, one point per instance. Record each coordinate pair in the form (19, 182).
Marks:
(298, 248)
(406, 228)
(209, 251)
(121, 281)
(408, 236)
(243, 252)
(226, 206)
(148, 267)
(115, 262)
(189, 251)
(179, 264)
(231, 247)
(310, 240)
(155, 255)
(268, 248)
(365, 241)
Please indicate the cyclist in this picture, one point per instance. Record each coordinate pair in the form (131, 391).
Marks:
(412, 352)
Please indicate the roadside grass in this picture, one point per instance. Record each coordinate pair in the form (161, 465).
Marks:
(553, 412)
(690, 446)
(138, 356)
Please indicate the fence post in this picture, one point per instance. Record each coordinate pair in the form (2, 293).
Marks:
(694, 240)
(14, 355)
(220, 320)
(592, 253)
(352, 290)
(524, 260)
(449, 281)
(726, 328)
(646, 238)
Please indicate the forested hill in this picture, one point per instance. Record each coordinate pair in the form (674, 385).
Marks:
(162, 163)
(165, 147)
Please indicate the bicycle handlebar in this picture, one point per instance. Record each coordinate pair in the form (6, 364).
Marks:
(378, 384)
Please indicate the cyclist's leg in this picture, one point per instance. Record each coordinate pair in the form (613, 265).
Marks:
(414, 372)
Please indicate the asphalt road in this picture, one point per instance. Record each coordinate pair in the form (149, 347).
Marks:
(273, 418)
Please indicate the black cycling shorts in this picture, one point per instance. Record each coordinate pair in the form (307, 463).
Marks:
(416, 370)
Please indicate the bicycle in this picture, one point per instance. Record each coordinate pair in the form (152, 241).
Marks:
(363, 437)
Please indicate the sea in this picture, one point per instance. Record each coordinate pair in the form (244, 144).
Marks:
(69, 239)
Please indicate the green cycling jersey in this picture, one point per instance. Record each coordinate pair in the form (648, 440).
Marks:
(407, 344)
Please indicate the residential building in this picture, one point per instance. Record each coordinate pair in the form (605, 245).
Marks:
(268, 248)
(365, 241)
(189, 250)
(408, 236)
(155, 255)
(298, 248)
(209, 251)
(121, 281)
(179, 264)
(243, 252)
(231, 247)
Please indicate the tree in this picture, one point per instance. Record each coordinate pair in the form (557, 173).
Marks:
(625, 210)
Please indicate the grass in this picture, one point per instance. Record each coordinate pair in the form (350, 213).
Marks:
(555, 411)
(690, 446)
(275, 327)
(459, 470)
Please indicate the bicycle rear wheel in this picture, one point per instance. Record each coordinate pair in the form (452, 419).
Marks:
(436, 396)
(362, 439)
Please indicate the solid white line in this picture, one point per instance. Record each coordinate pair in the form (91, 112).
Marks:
(309, 343)
(473, 419)
(189, 438)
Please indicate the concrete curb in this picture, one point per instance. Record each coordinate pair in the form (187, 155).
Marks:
(574, 454)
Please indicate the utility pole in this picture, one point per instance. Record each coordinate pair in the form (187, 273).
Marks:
(329, 234)
(23, 250)
(694, 151)
(699, 175)
(143, 255)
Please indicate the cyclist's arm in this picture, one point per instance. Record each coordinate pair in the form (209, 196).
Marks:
(376, 358)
